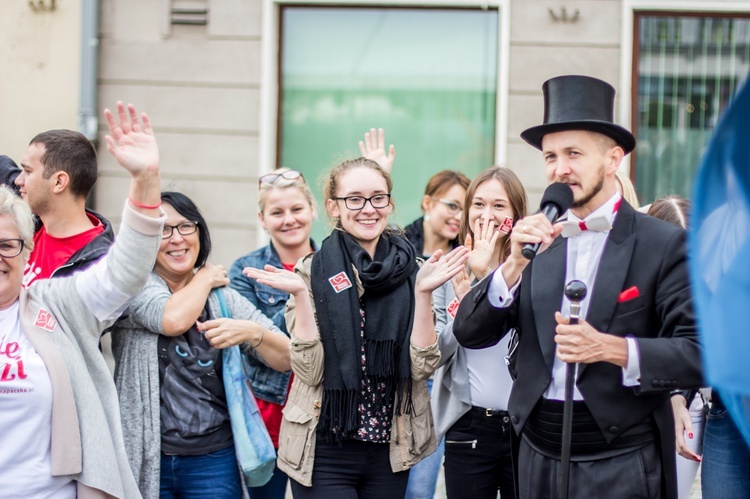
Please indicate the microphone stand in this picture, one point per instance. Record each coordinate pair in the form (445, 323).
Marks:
(575, 291)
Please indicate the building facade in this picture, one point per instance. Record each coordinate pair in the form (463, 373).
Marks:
(236, 88)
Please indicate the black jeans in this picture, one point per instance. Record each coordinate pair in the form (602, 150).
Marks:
(479, 456)
(355, 470)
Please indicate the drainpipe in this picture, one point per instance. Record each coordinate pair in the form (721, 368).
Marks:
(88, 120)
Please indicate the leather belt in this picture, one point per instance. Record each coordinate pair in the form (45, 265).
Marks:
(489, 413)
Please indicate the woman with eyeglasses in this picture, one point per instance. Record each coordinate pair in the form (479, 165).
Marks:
(363, 344)
(472, 387)
(168, 370)
(58, 406)
(442, 204)
(286, 210)
(437, 229)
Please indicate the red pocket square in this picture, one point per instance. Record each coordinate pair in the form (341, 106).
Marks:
(628, 294)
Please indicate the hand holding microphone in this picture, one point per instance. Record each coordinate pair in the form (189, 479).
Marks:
(532, 232)
(556, 200)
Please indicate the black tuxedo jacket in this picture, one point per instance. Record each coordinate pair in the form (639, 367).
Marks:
(640, 252)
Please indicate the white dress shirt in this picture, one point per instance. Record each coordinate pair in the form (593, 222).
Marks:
(584, 252)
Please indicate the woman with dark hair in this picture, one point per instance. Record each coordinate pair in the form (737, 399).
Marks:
(472, 387)
(442, 204)
(168, 372)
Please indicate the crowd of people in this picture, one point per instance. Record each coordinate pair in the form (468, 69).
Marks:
(375, 356)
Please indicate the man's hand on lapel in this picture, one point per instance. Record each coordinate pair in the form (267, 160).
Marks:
(581, 343)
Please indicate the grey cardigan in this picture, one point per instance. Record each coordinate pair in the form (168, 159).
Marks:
(135, 348)
(87, 442)
(451, 390)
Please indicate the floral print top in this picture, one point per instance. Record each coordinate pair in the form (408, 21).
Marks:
(375, 414)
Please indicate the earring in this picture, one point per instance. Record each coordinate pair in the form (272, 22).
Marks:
(426, 217)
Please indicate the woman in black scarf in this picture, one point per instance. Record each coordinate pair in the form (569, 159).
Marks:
(363, 344)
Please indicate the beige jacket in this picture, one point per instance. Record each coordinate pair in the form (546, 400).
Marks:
(412, 435)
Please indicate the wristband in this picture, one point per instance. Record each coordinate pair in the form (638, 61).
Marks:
(144, 206)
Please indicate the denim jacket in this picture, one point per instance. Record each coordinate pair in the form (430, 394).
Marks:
(268, 385)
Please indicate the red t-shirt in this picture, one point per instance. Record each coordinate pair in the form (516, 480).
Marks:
(270, 411)
(50, 252)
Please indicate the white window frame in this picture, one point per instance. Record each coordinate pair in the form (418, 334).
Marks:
(629, 8)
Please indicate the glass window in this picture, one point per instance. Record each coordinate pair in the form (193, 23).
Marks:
(688, 68)
(428, 77)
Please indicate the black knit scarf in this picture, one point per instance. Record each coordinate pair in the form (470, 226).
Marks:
(388, 280)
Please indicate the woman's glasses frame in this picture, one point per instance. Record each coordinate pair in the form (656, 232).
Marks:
(183, 228)
(453, 208)
(11, 248)
(356, 203)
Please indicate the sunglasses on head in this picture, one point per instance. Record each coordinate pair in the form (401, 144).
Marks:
(271, 178)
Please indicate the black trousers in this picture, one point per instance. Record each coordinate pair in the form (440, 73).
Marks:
(356, 470)
(633, 475)
(479, 456)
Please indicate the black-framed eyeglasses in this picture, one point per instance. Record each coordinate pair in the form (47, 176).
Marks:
(358, 202)
(10, 248)
(271, 178)
(453, 208)
(184, 228)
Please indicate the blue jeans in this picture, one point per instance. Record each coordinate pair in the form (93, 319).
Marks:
(423, 477)
(725, 469)
(274, 489)
(214, 475)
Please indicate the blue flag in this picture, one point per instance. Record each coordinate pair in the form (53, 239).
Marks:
(720, 258)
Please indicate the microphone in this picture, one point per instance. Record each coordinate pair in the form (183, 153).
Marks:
(556, 200)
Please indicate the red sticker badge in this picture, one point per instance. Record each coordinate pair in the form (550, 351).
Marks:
(45, 320)
(453, 308)
(340, 282)
(506, 226)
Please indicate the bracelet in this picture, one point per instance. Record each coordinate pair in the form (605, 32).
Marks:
(144, 206)
(262, 330)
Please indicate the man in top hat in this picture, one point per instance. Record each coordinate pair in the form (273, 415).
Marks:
(636, 339)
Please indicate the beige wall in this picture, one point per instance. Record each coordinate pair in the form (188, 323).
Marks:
(541, 48)
(39, 71)
(199, 85)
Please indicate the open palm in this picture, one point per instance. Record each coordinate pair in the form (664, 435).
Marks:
(436, 271)
(131, 142)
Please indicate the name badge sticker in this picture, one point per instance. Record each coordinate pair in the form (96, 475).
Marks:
(45, 320)
(340, 282)
(452, 308)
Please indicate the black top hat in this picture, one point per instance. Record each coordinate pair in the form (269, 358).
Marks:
(575, 102)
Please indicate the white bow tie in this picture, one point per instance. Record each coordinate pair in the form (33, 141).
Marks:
(597, 224)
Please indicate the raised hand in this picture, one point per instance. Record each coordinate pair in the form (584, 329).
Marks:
(280, 279)
(436, 271)
(373, 148)
(131, 142)
(461, 284)
(483, 249)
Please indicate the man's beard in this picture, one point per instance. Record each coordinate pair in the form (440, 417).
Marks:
(588, 196)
